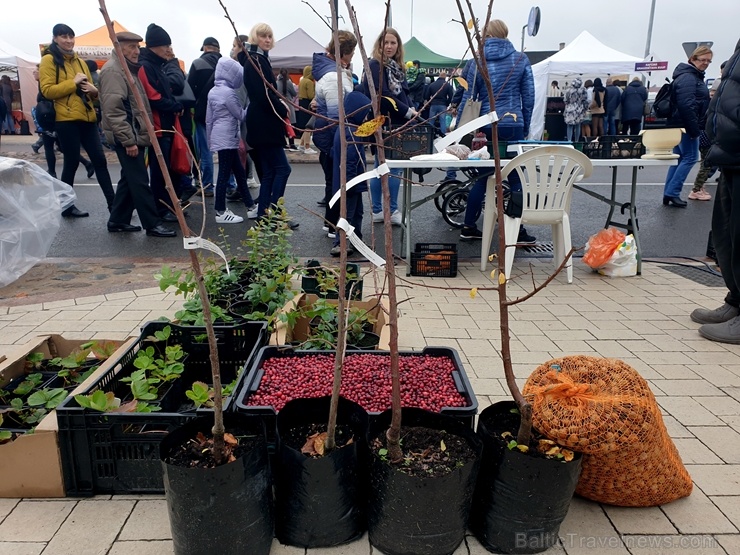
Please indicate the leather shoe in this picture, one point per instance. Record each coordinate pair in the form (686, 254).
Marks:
(187, 193)
(293, 225)
(113, 227)
(169, 217)
(74, 212)
(321, 202)
(161, 231)
(674, 201)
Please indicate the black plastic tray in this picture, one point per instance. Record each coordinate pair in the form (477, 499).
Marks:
(252, 382)
(119, 452)
(439, 265)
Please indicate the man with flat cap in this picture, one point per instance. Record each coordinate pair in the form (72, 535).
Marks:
(165, 109)
(201, 78)
(124, 127)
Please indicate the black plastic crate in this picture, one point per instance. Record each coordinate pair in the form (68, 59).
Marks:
(118, 453)
(434, 260)
(310, 284)
(614, 146)
(269, 414)
(412, 141)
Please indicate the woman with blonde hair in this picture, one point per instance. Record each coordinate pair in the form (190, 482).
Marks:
(266, 119)
(388, 55)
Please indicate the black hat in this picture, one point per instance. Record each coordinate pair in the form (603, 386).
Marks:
(210, 41)
(156, 36)
(417, 63)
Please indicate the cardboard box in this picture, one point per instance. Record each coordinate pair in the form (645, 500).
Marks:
(31, 465)
(283, 335)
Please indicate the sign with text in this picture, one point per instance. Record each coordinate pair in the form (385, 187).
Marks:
(651, 66)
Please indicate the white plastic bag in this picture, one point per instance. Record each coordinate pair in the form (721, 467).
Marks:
(31, 204)
(623, 263)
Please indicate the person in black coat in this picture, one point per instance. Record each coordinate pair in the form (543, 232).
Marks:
(723, 132)
(691, 98)
(440, 93)
(633, 106)
(266, 119)
(611, 105)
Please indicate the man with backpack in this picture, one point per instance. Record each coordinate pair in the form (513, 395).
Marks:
(690, 99)
(201, 78)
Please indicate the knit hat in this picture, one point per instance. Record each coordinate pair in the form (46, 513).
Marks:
(156, 36)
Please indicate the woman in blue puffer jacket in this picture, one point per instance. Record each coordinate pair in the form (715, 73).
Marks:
(513, 87)
(224, 115)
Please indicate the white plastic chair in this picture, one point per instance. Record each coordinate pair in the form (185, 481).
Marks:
(547, 175)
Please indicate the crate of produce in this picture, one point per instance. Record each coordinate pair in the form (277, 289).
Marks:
(434, 260)
(433, 378)
(410, 142)
(312, 280)
(614, 146)
(118, 452)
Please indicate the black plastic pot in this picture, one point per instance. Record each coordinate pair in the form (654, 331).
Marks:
(408, 515)
(227, 508)
(369, 342)
(520, 500)
(320, 502)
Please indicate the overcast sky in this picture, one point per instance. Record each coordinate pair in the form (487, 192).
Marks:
(619, 24)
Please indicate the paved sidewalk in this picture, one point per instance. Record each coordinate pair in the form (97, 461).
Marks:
(642, 320)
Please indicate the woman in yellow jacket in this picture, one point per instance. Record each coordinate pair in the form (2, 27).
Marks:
(66, 80)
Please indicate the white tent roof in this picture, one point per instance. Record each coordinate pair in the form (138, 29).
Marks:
(294, 51)
(585, 54)
(9, 55)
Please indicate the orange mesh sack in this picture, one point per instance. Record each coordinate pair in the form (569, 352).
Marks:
(604, 409)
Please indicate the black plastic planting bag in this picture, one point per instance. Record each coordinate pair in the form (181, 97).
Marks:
(409, 515)
(320, 502)
(232, 502)
(520, 500)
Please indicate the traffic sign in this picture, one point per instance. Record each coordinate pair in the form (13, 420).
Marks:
(651, 66)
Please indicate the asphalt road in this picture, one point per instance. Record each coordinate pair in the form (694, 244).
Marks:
(664, 232)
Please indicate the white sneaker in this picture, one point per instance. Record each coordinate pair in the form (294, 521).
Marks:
(252, 212)
(309, 151)
(325, 227)
(331, 235)
(228, 217)
(396, 218)
(377, 217)
(252, 182)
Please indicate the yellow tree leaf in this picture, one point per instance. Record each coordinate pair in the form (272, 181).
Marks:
(501, 278)
(370, 127)
(463, 83)
(473, 292)
(470, 23)
(523, 448)
(442, 445)
(493, 273)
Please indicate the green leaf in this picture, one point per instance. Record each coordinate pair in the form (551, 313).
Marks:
(512, 444)
(141, 390)
(99, 401)
(47, 398)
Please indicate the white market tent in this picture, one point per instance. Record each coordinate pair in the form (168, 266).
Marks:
(24, 64)
(584, 55)
(295, 51)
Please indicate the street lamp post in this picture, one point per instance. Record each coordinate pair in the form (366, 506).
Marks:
(650, 29)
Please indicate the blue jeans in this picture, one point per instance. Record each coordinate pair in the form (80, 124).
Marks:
(394, 185)
(478, 191)
(205, 157)
(610, 124)
(573, 132)
(688, 150)
(273, 170)
(434, 112)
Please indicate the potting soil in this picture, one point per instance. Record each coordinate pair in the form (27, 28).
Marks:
(605, 409)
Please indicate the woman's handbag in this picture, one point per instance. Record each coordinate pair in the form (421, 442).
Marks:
(186, 97)
(180, 159)
(46, 115)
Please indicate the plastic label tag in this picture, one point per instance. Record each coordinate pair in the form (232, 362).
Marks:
(190, 243)
(375, 172)
(454, 137)
(366, 251)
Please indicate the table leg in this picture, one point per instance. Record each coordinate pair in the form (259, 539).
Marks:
(633, 219)
(613, 197)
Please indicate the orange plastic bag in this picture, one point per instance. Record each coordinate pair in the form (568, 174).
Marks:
(601, 246)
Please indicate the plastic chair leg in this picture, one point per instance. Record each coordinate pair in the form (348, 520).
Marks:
(490, 215)
(511, 234)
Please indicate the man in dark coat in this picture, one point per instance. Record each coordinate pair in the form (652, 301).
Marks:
(611, 105)
(165, 109)
(723, 131)
(201, 79)
(633, 106)
(691, 98)
(416, 88)
(440, 92)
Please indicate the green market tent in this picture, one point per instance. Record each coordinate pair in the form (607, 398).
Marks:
(414, 49)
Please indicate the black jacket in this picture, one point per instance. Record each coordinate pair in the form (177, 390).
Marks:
(265, 114)
(164, 106)
(201, 79)
(444, 98)
(691, 98)
(613, 98)
(723, 117)
(633, 101)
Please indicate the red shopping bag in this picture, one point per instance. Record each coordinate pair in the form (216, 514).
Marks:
(180, 159)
